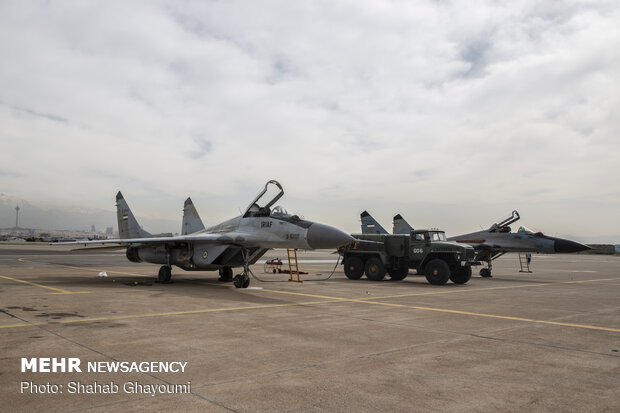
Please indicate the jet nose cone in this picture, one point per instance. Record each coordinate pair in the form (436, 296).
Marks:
(565, 246)
(325, 237)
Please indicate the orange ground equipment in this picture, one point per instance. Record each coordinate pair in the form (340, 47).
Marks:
(274, 265)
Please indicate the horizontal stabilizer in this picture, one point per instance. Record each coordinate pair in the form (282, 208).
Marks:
(100, 249)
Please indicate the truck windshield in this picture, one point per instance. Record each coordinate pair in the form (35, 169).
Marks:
(437, 235)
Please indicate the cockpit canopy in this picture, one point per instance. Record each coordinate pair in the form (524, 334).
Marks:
(255, 210)
(279, 211)
(527, 231)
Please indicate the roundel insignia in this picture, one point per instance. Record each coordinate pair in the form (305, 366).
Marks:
(205, 254)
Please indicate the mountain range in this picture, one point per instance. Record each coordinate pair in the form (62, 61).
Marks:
(73, 218)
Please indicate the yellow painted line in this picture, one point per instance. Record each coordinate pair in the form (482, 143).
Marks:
(132, 316)
(528, 320)
(462, 289)
(305, 295)
(365, 300)
(86, 268)
(442, 310)
(58, 290)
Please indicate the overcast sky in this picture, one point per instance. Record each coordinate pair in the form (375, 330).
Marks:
(450, 113)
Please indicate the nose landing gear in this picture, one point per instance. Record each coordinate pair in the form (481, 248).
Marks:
(243, 280)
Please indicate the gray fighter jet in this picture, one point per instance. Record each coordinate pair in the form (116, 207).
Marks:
(499, 239)
(237, 242)
(492, 243)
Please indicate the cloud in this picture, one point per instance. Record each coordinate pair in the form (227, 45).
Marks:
(359, 104)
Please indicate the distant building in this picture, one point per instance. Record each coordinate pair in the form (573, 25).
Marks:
(92, 228)
(109, 231)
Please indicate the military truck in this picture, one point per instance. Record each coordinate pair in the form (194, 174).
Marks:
(426, 251)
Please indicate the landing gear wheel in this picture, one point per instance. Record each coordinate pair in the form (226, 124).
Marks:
(375, 270)
(437, 272)
(165, 272)
(225, 274)
(353, 268)
(241, 281)
(461, 276)
(485, 272)
(399, 273)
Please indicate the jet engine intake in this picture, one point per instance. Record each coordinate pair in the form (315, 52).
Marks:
(132, 254)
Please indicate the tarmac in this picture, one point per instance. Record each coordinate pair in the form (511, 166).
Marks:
(542, 341)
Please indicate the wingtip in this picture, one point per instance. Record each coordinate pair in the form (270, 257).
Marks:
(364, 214)
(188, 201)
(119, 196)
(397, 216)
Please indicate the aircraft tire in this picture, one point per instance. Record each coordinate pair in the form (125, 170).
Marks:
(164, 275)
(354, 268)
(238, 281)
(399, 273)
(226, 274)
(246, 281)
(485, 272)
(461, 276)
(375, 270)
(437, 272)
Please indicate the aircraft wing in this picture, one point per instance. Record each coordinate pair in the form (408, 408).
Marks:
(224, 238)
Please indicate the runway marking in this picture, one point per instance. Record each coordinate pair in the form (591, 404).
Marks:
(443, 310)
(463, 290)
(86, 268)
(332, 300)
(58, 290)
(365, 300)
(528, 320)
(132, 316)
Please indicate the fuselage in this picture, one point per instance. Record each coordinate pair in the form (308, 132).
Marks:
(224, 244)
(519, 242)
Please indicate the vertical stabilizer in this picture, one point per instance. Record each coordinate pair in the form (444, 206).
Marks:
(401, 226)
(370, 225)
(128, 226)
(191, 220)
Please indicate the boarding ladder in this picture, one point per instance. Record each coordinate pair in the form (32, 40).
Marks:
(290, 268)
(525, 266)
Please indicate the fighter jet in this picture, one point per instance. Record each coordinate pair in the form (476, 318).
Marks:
(237, 242)
(494, 242)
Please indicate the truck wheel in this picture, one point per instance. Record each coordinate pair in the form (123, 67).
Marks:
(375, 270)
(353, 268)
(461, 276)
(398, 273)
(437, 272)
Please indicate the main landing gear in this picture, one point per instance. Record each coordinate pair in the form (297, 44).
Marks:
(486, 272)
(165, 272)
